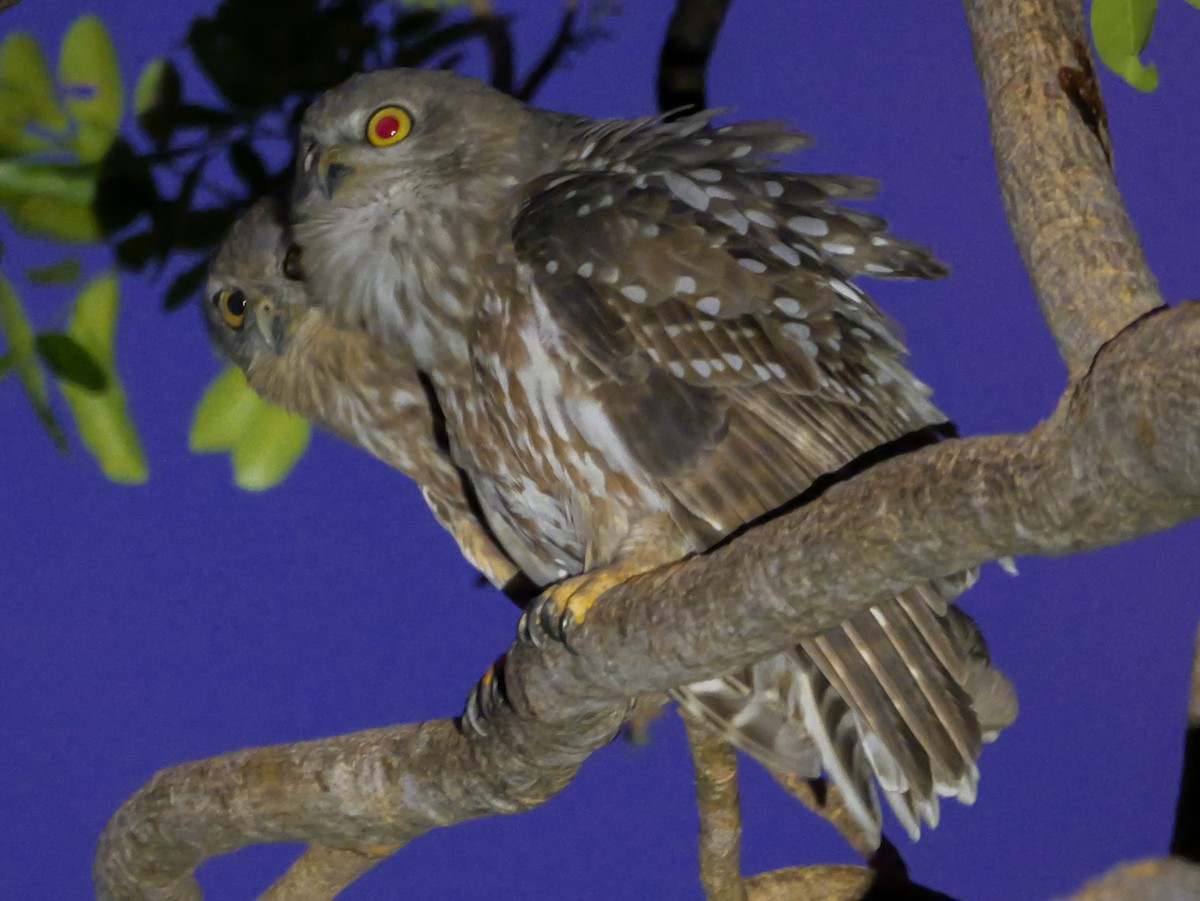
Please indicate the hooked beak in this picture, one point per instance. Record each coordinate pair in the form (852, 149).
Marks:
(270, 324)
(323, 169)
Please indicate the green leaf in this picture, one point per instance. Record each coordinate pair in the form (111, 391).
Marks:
(148, 91)
(156, 100)
(1120, 30)
(103, 416)
(269, 448)
(264, 440)
(60, 220)
(68, 360)
(15, 328)
(91, 80)
(6, 362)
(223, 414)
(52, 200)
(27, 95)
(64, 272)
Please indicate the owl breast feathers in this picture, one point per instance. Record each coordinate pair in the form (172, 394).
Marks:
(641, 336)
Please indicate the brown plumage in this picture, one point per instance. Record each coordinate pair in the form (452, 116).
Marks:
(294, 356)
(643, 337)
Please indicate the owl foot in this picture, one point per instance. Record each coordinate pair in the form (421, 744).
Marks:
(485, 700)
(564, 605)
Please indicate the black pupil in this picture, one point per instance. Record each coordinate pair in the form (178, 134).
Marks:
(291, 264)
(236, 302)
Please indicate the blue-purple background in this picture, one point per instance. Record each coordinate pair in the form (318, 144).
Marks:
(147, 626)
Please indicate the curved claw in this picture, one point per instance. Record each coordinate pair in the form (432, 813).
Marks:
(485, 700)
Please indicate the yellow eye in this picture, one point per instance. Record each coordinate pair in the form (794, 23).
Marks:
(232, 304)
(388, 125)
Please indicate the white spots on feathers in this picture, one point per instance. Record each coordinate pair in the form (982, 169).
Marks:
(552, 267)
(685, 284)
(677, 369)
(686, 190)
(752, 264)
(636, 293)
(706, 175)
(650, 230)
(710, 305)
(808, 225)
(789, 306)
(702, 368)
(846, 290)
(786, 253)
(735, 220)
(766, 220)
(735, 361)
(839, 249)
(583, 210)
(774, 189)
(585, 270)
(742, 150)
(877, 268)
(610, 274)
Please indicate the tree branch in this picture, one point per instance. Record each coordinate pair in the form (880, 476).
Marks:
(683, 60)
(715, 766)
(1118, 458)
(1050, 138)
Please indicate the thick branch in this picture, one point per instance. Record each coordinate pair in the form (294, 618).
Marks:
(1050, 137)
(1119, 458)
(375, 788)
(683, 60)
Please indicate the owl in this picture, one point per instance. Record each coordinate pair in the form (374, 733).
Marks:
(643, 335)
(261, 318)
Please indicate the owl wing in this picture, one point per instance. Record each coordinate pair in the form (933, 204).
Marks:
(712, 314)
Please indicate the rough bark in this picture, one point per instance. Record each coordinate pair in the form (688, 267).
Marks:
(1119, 457)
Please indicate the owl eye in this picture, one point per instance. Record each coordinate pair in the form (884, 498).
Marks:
(388, 125)
(291, 264)
(232, 304)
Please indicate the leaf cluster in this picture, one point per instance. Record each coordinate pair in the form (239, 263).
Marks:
(55, 134)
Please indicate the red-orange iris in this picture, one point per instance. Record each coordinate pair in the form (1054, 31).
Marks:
(388, 125)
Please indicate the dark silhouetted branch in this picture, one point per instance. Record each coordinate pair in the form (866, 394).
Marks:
(683, 61)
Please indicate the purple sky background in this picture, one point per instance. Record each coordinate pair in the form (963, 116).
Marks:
(141, 627)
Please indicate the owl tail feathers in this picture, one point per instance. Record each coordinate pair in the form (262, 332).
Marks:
(903, 692)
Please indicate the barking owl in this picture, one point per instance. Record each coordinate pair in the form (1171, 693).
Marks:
(262, 319)
(642, 336)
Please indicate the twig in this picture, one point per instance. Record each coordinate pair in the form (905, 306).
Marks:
(321, 873)
(715, 766)
(1185, 838)
(691, 36)
(564, 41)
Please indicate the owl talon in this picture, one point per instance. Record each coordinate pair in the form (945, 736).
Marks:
(485, 700)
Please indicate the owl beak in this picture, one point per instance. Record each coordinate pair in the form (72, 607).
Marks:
(323, 168)
(270, 324)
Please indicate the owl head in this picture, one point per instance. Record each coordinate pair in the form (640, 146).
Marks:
(254, 297)
(409, 133)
